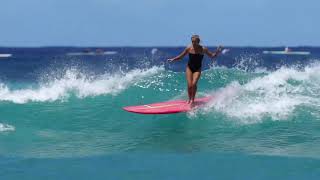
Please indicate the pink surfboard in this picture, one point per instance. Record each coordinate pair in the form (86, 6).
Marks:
(167, 107)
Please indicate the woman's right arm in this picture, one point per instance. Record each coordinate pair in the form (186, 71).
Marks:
(180, 56)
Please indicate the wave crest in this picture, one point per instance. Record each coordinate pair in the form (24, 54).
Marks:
(76, 83)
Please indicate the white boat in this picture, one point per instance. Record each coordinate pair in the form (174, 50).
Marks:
(288, 51)
(5, 55)
(110, 52)
(97, 53)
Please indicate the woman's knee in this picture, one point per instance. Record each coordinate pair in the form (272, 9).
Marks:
(194, 84)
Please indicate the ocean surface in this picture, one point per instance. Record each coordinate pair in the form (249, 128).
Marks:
(61, 115)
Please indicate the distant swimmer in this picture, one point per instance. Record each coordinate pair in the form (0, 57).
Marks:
(193, 69)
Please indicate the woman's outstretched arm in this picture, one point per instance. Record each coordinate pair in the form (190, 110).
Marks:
(213, 54)
(180, 56)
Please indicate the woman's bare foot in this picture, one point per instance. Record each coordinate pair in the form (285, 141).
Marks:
(191, 103)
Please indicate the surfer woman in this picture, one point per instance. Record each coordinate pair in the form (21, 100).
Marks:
(193, 70)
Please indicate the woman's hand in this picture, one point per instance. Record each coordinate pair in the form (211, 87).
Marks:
(180, 55)
(170, 60)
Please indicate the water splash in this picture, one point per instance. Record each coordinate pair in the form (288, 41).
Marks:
(6, 127)
(275, 95)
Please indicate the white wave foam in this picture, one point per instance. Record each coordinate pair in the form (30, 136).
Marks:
(6, 127)
(249, 62)
(78, 84)
(275, 95)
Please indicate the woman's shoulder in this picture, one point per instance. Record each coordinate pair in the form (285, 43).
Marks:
(204, 49)
(189, 46)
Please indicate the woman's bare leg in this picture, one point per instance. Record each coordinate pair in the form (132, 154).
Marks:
(189, 77)
(195, 78)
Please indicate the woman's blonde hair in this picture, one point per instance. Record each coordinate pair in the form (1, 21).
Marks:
(197, 37)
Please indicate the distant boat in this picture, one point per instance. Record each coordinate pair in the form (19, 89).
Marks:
(98, 52)
(5, 55)
(288, 51)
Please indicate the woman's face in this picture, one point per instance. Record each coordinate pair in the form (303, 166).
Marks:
(195, 41)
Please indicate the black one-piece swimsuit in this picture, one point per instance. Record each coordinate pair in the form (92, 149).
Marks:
(195, 62)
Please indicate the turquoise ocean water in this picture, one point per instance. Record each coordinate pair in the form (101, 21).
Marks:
(65, 120)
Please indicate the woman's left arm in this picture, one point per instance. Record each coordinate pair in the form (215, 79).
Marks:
(213, 54)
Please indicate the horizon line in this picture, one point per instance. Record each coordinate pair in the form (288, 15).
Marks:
(159, 46)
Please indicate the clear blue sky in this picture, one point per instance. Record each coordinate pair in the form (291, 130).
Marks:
(159, 22)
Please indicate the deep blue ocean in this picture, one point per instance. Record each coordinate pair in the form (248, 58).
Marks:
(61, 115)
